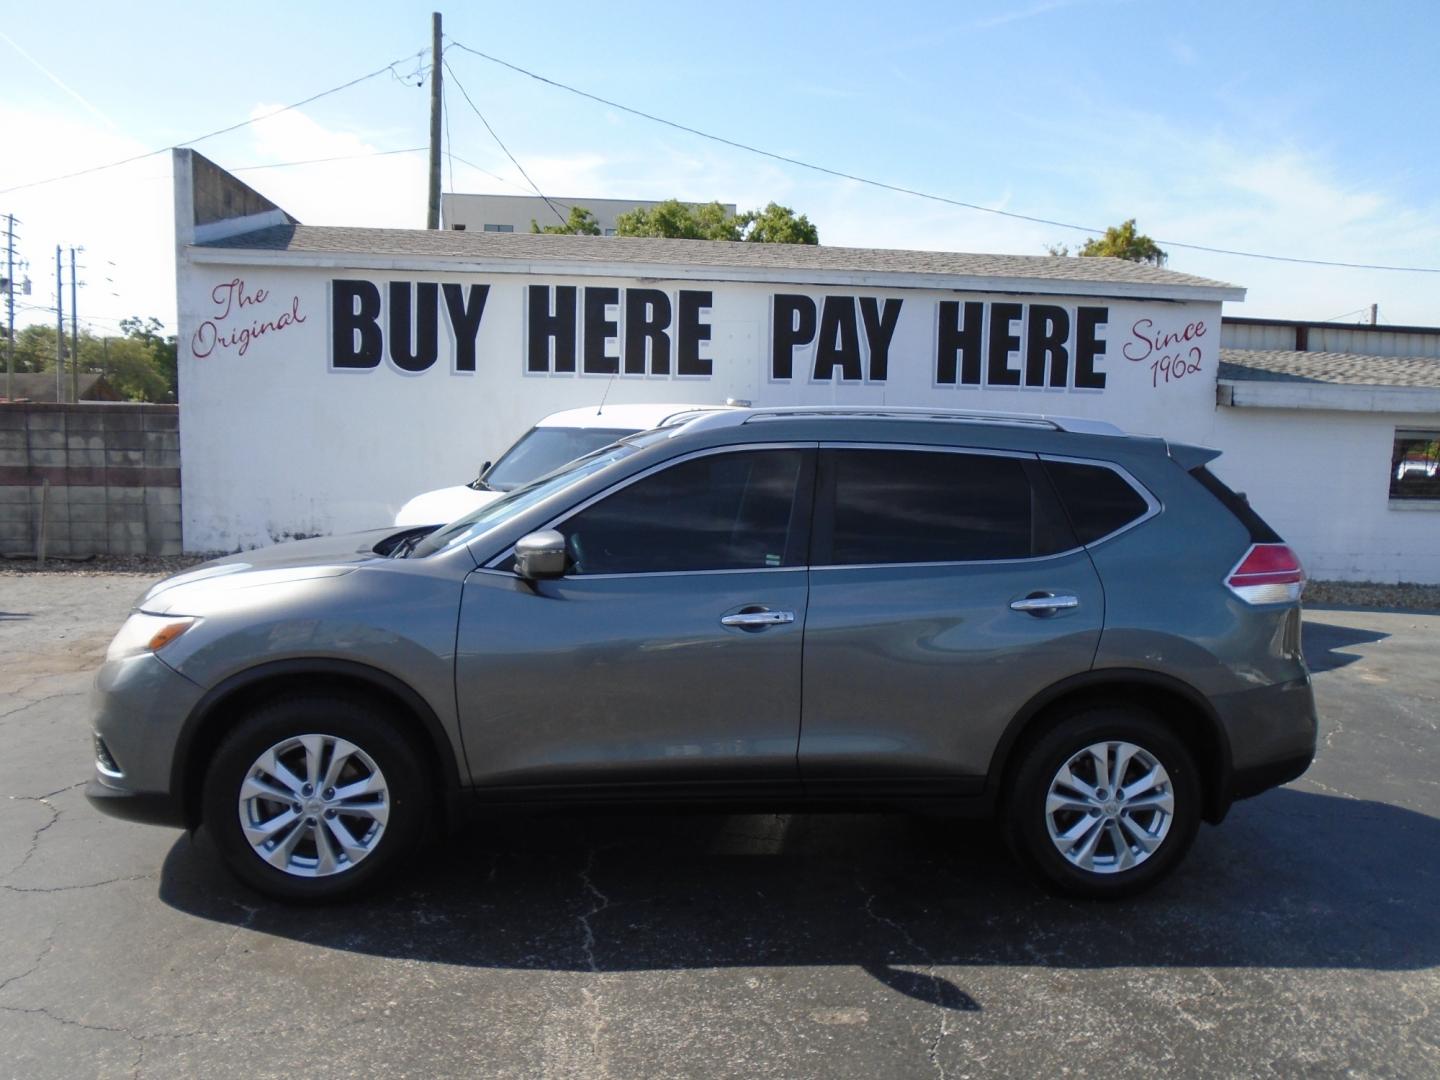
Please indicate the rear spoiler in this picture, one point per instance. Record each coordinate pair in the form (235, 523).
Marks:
(1191, 457)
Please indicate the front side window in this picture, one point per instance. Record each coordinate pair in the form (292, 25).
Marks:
(727, 511)
(1415, 465)
(908, 506)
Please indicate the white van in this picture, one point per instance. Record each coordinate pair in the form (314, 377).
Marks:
(555, 440)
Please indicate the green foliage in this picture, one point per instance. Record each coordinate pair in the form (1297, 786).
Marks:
(140, 365)
(710, 221)
(581, 222)
(1123, 242)
(778, 224)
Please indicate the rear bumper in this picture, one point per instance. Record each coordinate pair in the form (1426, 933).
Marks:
(1272, 732)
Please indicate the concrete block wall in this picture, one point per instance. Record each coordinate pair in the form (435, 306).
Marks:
(114, 478)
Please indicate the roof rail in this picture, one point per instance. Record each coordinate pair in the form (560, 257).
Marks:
(736, 417)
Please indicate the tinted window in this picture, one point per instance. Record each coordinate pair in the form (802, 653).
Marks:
(1098, 499)
(730, 511)
(902, 506)
(1237, 504)
(1415, 465)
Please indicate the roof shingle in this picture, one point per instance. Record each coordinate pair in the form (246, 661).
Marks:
(1286, 365)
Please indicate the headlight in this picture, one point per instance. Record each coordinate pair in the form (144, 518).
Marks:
(147, 633)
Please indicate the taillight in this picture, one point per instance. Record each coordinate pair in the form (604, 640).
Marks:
(1268, 574)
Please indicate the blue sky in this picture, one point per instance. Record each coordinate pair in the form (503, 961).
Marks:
(1291, 129)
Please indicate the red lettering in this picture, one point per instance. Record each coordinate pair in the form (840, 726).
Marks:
(230, 297)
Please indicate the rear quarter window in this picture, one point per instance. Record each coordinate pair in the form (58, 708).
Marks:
(1098, 499)
(1237, 504)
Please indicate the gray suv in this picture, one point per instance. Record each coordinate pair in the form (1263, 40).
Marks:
(803, 609)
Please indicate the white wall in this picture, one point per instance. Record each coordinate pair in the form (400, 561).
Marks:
(1322, 480)
(276, 443)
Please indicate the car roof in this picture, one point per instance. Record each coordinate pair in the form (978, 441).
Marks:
(631, 417)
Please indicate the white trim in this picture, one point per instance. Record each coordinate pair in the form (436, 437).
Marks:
(878, 279)
(1334, 397)
(220, 230)
(1414, 504)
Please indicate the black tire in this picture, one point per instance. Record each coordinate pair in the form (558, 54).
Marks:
(373, 732)
(1025, 819)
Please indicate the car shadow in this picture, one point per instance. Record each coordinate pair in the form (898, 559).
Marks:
(1322, 642)
(1292, 880)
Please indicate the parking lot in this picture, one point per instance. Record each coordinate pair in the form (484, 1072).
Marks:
(1301, 938)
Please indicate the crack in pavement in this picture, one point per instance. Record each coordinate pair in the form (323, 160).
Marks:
(73, 888)
(593, 1002)
(49, 945)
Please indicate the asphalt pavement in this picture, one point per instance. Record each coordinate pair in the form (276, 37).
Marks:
(1301, 938)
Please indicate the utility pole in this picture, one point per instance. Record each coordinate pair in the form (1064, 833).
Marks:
(74, 336)
(10, 307)
(1374, 314)
(437, 57)
(59, 327)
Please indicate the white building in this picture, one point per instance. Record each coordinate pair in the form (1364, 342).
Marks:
(328, 374)
(514, 213)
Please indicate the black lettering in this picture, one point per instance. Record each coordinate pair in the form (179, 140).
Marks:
(599, 330)
(1088, 346)
(1047, 330)
(465, 314)
(838, 344)
(423, 317)
(792, 323)
(1003, 342)
(647, 319)
(544, 327)
(880, 326)
(956, 342)
(356, 338)
(691, 332)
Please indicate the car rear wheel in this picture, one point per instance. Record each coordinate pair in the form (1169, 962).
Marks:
(1104, 804)
(314, 798)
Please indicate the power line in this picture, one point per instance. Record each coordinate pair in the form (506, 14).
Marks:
(900, 189)
(502, 146)
(320, 160)
(222, 131)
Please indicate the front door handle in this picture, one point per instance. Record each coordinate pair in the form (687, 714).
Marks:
(757, 620)
(1044, 604)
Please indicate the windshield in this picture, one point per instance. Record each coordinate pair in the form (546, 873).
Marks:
(544, 449)
(463, 530)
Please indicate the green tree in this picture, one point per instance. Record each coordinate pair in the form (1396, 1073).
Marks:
(129, 364)
(581, 222)
(164, 348)
(35, 348)
(672, 218)
(778, 224)
(1122, 242)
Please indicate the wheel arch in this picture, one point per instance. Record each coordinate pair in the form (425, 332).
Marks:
(216, 713)
(1174, 703)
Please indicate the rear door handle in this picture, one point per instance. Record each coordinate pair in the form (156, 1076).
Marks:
(757, 620)
(1043, 604)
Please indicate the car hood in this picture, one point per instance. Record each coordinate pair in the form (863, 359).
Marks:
(302, 560)
(444, 505)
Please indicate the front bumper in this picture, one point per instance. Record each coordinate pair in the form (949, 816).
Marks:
(138, 706)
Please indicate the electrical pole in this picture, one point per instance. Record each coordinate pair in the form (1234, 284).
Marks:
(74, 336)
(1374, 314)
(59, 328)
(437, 57)
(10, 307)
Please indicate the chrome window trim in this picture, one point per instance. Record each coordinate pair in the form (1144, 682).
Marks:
(1153, 506)
(493, 563)
(924, 448)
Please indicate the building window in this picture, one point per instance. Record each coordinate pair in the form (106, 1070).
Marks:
(499, 228)
(609, 232)
(458, 228)
(1415, 465)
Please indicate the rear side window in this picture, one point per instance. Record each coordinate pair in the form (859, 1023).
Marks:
(1099, 500)
(908, 506)
(1237, 504)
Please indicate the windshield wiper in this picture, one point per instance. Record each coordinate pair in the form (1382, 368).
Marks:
(403, 549)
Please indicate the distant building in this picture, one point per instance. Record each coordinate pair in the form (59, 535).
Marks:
(40, 387)
(514, 213)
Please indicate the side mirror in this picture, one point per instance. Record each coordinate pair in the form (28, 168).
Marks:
(540, 556)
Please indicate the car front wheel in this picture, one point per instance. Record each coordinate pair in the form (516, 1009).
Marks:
(1104, 804)
(314, 798)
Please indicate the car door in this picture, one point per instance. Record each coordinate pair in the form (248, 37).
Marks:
(947, 589)
(670, 653)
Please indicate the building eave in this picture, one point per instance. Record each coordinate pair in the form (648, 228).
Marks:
(1328, 397)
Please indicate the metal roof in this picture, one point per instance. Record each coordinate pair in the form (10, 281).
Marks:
(1286, 365)
(518, 252)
